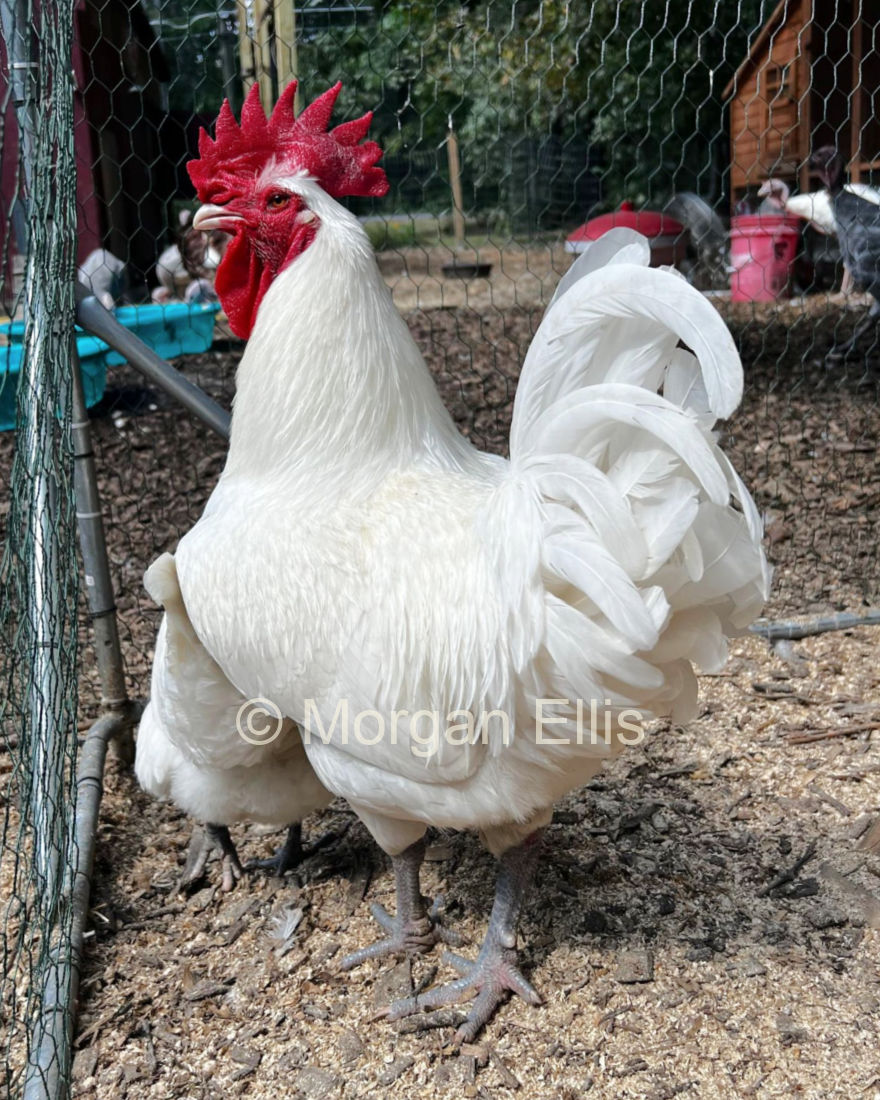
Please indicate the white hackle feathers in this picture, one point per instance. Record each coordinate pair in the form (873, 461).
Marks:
(815, 206)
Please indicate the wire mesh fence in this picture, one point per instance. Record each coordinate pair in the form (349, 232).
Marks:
(509, 128)
(38, 605)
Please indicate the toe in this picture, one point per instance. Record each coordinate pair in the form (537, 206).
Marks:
(375, 951)
(448, 936)
(512, 979)
(382, 917)
(480, 1014)
(232, 872)
(491, 981)
(192, 873)
(459, 962)
(438, 997)
(270, 865)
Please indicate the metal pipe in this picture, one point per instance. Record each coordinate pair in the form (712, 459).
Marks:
(18, 35)
(792, 631)
(96, 568)
(47, 1072)
(100, 322)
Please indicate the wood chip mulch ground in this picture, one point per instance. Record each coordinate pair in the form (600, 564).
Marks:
(706, 922)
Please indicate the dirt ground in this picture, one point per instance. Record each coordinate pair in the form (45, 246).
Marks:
(706, 921)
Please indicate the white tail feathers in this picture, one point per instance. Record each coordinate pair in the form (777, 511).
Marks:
(163, 586)
(622, 322)
(619, 246)
(650, 542)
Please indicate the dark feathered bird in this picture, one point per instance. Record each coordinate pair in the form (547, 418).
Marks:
(708, 237)
(858, 229)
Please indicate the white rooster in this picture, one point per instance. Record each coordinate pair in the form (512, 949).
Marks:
(190, 748)
(438, 618)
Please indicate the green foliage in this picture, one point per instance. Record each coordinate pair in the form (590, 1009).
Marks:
(402, 232)
(544, 96)
(639, 82)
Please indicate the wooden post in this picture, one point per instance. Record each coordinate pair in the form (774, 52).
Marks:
(245, 46)
(263, 50)
(286, 62)
(855, 124)
(455, 182)
(806, 37)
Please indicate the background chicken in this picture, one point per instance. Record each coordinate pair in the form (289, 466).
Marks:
(368, 569)
(190, 747)
(774, 195)
(186, 269)
(815, 206)
(710, 262)
(105, 276)
(858, 229)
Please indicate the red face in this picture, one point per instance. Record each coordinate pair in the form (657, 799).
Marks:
(270, 228)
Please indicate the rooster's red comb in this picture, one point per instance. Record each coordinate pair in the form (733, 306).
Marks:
(229, 163)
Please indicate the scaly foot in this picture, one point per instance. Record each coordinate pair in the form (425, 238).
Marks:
(203, 843)
(288, 856)
(495, 974)
(415, 927)
(406, 934)
(291, 853)
(490, 980)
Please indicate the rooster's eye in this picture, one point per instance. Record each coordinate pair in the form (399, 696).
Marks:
(277, 201)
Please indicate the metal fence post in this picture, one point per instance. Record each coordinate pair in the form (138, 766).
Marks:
(96, 574)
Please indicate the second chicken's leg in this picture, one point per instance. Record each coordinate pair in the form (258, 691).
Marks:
(495, 974)
(414, 927)
(201, 846)
(871, 318)
(291, 853)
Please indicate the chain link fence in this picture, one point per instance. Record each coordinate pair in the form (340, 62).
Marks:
(507, 128)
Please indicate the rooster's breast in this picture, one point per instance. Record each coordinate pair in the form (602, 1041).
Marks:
(383, 601)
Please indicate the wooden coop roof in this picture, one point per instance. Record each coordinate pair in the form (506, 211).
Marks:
(778, 17)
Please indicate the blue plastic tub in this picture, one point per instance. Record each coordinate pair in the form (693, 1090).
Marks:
(92, 357)
(176, 328)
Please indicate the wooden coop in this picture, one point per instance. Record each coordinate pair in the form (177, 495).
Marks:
(811, 78)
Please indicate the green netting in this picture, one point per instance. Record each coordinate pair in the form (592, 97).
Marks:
(38, 603)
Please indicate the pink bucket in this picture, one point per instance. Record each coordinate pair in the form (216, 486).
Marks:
(762, 250)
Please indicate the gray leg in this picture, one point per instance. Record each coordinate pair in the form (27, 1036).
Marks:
(289, 855)
(495, 973)
(869, 319)
(415, 927)
(292, 852)
(202, 844)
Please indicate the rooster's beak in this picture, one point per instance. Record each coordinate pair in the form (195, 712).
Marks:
(216, 217)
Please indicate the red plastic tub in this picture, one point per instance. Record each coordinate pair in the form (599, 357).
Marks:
(762, 251)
